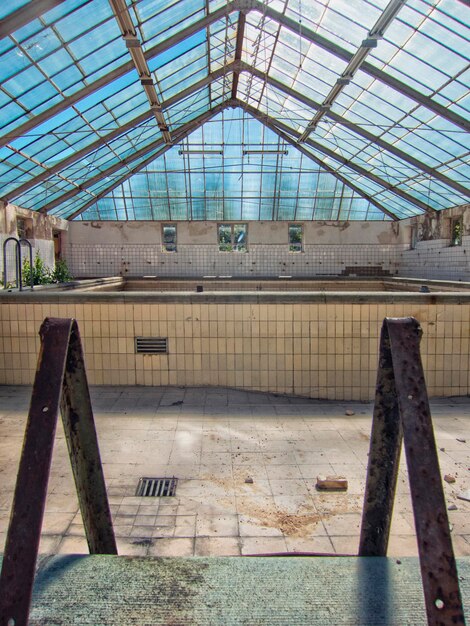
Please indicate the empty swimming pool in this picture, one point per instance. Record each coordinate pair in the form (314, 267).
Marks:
(303, 339)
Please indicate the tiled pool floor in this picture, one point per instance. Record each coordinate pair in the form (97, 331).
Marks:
(213, 439)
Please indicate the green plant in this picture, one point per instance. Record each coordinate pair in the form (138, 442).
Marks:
(41, 274)
(61, 273)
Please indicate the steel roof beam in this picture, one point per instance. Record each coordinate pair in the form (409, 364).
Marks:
(179, 135)
(124, 162)
(238, 50)
(327, 168)
(404, 156)
(26, 14)
(140, 119)
(342, 160)
(376, 33)
(159, 48)
(368, 68)
(129, 34)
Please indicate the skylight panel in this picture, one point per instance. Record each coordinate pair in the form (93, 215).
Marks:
(345, 22)
(10, 7)
(169, 20)
(222, 41)
(259, 40)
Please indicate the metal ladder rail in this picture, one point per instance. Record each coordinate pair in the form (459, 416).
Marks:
(401, 413)
(60, 383)
(31, 279)
(18, 263)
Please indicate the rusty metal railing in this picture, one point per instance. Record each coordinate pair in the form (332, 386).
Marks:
(60, 382)
(401, 413)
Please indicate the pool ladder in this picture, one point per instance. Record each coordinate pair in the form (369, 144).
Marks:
(18, 263)
(401, 414)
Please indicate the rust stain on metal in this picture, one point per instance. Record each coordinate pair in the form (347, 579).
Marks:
(402, 411)
(60, 382)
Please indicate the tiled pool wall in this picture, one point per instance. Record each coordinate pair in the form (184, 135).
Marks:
(326, 348)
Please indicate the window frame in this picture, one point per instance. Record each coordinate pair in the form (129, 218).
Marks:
(298, 246)
(24, 227)
(165, 249)
(232, 246)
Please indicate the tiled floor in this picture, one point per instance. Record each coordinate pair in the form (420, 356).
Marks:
(213, 439)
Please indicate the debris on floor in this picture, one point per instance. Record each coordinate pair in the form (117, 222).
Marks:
(249, 480)
(461, 440)
(349, 412)
(331, 483)
(449, 478)
(465, 495)
(452, 507)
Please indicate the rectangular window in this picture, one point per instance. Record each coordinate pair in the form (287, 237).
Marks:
(233, 237)
(295, 237)
(24, 227)
(456, 232)
(169, 237)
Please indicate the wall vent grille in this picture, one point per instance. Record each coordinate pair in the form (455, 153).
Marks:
(151, 345)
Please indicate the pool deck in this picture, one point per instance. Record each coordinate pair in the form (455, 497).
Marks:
(207, 290)
(213, 440)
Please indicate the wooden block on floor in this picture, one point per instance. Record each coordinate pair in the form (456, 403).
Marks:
(332, 483)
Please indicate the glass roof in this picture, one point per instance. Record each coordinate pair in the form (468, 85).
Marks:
(220, 172)
(366, 101)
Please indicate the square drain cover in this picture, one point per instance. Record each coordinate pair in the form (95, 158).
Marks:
(156, 487)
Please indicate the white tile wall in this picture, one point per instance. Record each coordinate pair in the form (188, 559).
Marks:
(205, 260)
(436, 260)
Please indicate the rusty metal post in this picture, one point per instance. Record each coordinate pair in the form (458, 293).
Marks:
(384, 458)
(60, 356)
(400, 351)
(24, 532)
(436, 555)
(82, 443)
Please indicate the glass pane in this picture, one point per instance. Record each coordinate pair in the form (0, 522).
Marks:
(295, 238)
(169, 237)
(239, 237)
(225, 237)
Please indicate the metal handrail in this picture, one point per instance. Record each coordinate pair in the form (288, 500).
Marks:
(60, 382)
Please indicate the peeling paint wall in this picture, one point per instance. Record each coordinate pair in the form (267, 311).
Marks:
(40, 233)
(433, 255)
(329, 249)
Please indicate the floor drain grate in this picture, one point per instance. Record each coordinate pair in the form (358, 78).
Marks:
(156, 487)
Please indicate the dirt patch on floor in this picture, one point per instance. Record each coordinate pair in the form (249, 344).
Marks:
(299, 524)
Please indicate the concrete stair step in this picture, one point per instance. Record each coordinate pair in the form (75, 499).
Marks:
(82, 590)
